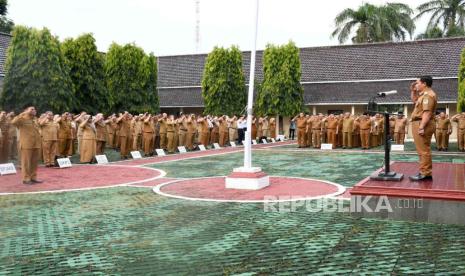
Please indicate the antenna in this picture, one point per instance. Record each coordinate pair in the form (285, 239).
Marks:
(197, 26)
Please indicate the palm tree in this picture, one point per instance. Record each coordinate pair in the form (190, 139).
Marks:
(450, 12)
(374, 23)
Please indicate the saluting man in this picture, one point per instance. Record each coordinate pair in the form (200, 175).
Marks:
(29, 141)
(423, 125)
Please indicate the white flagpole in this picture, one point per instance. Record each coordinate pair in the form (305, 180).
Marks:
(248, 134)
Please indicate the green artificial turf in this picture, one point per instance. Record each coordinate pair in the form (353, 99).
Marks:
(132, 231)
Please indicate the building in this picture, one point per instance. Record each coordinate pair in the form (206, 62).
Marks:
(335, 78)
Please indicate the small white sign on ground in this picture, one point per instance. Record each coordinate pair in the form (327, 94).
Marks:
(254, 141)
(326, 146)
(64, 163)
(136, 155)
(233, 144)
(273, 140)
(8, 168)
(280, 138)
(397, 147)
(101, 159)
(182, 149)
(264, 141)
(202, 148)
(216, 146)
(160, 152)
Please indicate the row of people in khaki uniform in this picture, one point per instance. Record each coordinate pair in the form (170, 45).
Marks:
(348, 131)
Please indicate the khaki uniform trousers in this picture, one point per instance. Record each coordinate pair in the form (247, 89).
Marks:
(124, 146)
(301, 137)
(190, 140)
(309, 138)
(399, 138)
(100, 147)
(461, 138)
(49, 149)
(332, 138)
(163, 140)
(182, 138)
(148, 142)
(65, 147)
(347, 139)
(423, 146)
(224, 135)
(316, 138)
(365, 138)
(170, 137)
(29, 163)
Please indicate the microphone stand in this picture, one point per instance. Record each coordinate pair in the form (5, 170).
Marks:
(387, 175)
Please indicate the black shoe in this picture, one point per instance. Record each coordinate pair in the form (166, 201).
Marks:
(420, 177)
(35, 181)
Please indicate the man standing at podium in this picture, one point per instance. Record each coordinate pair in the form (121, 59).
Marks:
(423, 125)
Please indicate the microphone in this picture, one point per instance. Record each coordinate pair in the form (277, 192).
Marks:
(386, 93)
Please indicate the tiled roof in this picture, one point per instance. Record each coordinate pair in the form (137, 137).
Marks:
(377, 61)
(187, 70)
(4, 42)
(327, 93)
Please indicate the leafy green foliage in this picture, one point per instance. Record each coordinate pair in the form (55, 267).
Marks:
(6, 25)
(461, 84)
(223, 84)
(388, 22)
(131, 79)
(281, 92)
(451, 13)
(86, 72)
(36, 73)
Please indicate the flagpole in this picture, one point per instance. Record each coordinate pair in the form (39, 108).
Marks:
(248, 133)
(248, 177)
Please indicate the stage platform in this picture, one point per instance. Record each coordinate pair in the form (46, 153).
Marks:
(441, 200)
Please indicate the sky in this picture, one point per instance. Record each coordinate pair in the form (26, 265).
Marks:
(168, 27)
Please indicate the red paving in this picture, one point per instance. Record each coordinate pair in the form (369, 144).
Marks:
(448, 183)
(80, 176)
(280, 188)
(93, 176)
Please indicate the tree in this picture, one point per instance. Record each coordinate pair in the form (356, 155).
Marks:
(223, 84)
(36, 73)
(451, 13)
(6, 25)
(86, 71)
(461, 84)
(435, 32)
(131, 79)
(281, 92)
(374, 23)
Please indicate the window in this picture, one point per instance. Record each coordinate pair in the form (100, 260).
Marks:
(336, 111)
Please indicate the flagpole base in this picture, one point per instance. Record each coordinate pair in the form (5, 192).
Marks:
(247, 179)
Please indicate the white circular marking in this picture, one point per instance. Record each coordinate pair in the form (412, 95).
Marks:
(340, 190)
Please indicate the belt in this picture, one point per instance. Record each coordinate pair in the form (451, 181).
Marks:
(365, 129)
